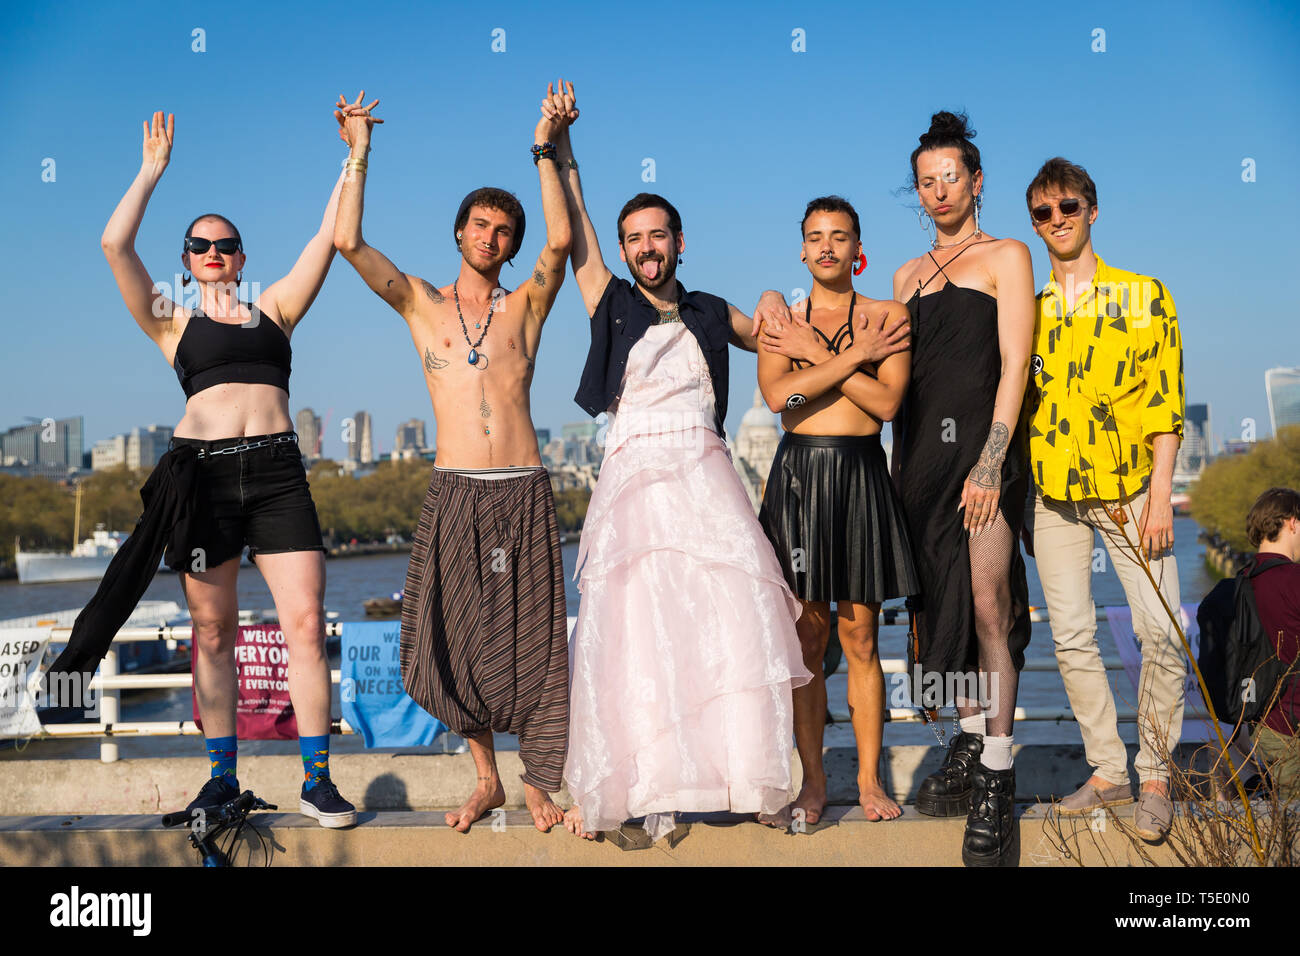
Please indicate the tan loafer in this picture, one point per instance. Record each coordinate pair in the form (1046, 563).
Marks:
(1153, 816)
(1088, 798)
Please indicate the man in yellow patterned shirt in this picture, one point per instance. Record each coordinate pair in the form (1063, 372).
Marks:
(1106, 420)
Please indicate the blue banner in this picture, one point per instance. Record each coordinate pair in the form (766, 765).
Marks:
(370, 687)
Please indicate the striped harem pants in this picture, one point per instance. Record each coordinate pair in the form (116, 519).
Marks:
(484, 643)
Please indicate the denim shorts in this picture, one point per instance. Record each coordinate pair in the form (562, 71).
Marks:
(252, 496)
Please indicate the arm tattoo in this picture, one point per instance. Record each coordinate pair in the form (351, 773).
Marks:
(484, 409)
(528, 359)
(539, 278)
(431, 362)
(432, 292)
(987, 472)
(795, 400)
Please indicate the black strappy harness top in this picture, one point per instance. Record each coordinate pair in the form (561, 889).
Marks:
(844, 332)
(210, 353)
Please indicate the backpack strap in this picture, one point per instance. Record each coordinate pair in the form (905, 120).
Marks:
(1272, 561)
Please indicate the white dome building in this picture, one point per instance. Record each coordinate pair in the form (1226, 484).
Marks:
(755, 445)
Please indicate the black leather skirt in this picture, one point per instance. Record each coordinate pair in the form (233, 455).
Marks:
(830, 512)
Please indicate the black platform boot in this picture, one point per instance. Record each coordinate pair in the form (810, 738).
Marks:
(946, 792)
(991, 831)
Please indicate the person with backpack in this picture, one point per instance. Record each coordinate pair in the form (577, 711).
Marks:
(1274, 528)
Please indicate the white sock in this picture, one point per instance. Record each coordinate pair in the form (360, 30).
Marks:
(997, 752)
(974, 725)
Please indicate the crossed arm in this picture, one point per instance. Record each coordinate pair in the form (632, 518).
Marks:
(879, 395)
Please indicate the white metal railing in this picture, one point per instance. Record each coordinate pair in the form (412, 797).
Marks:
(110, 683)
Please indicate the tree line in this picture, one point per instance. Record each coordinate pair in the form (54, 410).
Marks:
(387, 501)
(1223, 495)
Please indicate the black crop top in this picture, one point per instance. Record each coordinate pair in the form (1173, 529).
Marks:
(212, 353)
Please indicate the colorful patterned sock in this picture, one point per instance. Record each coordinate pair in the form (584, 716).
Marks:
(222, 753)
(315, 759)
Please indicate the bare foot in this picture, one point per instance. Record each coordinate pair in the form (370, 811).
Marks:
(811, 801)
(875, 803)
(777, 821)
(573, 823)
(488, 795)
(545, 813)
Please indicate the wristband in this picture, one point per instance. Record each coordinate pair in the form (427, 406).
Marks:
(544, 151)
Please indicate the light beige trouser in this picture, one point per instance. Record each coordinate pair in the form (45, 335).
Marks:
(1063, 540)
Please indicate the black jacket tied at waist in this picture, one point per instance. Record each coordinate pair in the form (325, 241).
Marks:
(170, 514)
(621, 319)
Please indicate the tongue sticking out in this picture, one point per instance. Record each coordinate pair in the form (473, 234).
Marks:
(650, 268)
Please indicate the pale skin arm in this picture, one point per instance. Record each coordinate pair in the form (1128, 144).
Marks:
(1156, 525)
(387, 281)
(548, 274)
(1015, 295)
(151, 310)
(293, 295)
(742, 329)
(588, 264)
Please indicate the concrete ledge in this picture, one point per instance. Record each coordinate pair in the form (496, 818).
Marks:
(385, 781)
(845, 838)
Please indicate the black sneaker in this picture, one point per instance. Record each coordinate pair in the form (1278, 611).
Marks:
(215, 792)
(325, 804)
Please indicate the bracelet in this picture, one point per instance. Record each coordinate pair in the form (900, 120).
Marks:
(571, 163)
(544, 151)
(358, 164)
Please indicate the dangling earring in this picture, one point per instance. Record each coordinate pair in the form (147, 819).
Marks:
(921, 217)
(979, 201)
(861, 265)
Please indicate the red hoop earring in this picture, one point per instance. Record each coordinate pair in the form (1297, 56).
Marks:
(861, 266)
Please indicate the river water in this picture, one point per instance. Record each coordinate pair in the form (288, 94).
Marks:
(351, 580)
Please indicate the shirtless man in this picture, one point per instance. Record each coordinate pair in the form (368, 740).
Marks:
(835, 373)
(484, 627)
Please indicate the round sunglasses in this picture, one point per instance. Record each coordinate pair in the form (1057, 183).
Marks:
(227, 247)
(1069, 207)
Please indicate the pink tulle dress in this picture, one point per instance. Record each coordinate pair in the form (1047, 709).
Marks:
(684, 653)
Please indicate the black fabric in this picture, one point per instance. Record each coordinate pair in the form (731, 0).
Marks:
(1237, 658)
(259, 497)
(938, 436)
(622, 317)
(833, 519)
(169, 521)
(212, 353)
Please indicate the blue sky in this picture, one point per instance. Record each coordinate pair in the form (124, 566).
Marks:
(743, 131)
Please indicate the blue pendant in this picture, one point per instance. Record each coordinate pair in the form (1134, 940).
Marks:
(473, 356)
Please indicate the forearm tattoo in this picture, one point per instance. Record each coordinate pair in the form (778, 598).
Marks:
(987, 472)
(795, 400)
(431, 362)
(539, 278)
(432, 292)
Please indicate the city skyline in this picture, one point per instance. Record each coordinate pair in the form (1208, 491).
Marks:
(1181, 172)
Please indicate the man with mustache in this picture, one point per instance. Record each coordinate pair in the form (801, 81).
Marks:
(484, 626)
(829, 509)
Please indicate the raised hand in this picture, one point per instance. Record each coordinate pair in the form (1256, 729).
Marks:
(560, 105)
(158, 139)
(355, 121)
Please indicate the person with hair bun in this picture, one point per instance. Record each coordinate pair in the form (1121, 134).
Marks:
(962, 472)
